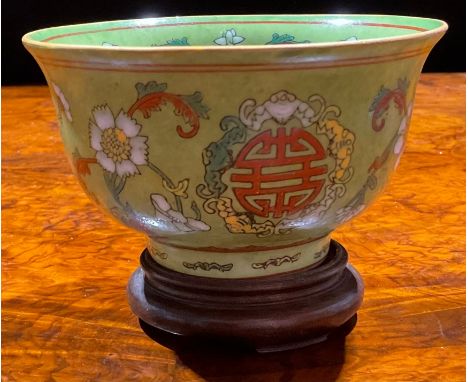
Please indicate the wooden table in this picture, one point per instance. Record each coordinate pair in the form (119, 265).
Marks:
(65, 267)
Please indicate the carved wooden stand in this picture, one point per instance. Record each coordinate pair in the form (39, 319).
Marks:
(270, 313)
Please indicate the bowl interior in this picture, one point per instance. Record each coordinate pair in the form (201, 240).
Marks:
(236, 30)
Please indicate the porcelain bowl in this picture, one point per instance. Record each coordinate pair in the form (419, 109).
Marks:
(236, 143)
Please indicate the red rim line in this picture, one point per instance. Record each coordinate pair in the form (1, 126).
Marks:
(212, 68)
(381, 25)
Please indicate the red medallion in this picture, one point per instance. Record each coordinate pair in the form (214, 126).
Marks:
(277, 173)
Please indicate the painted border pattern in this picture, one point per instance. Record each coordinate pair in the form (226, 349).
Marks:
(292, 22)
(217, 68)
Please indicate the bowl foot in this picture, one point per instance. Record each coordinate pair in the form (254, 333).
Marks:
(272, 313)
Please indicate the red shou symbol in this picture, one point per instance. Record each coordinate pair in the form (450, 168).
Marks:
(268, 186)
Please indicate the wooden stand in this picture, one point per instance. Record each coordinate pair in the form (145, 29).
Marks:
(271, 313)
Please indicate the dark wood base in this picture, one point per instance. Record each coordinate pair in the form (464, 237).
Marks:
(271, 313)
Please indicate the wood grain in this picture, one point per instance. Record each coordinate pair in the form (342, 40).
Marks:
(65, 315)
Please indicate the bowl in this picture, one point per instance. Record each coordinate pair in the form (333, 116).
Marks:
(237, 144)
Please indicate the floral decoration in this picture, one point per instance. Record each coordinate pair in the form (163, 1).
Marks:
(379, 108)
(119, 148)
(63, 102)
(400, 138)
(229, 37)
(175, 220)
(177, 42)
(276, 38)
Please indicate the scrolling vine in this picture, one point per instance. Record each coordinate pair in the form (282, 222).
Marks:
(121, 150)
(379, 108)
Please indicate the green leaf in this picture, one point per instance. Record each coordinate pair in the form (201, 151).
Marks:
(403, 84)
(217, 157)
(195, 102)
(284, 39)
(177, 42)
(382, 93)
(150, 87)
(196, 210)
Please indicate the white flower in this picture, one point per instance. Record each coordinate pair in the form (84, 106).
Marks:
(118, 146)
(174, 220)
(64, 105)
(347, 213)
(229, 38)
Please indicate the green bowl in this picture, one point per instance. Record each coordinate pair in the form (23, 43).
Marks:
(236, 143)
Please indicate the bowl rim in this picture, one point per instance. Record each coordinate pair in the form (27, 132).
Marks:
(27, 39)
